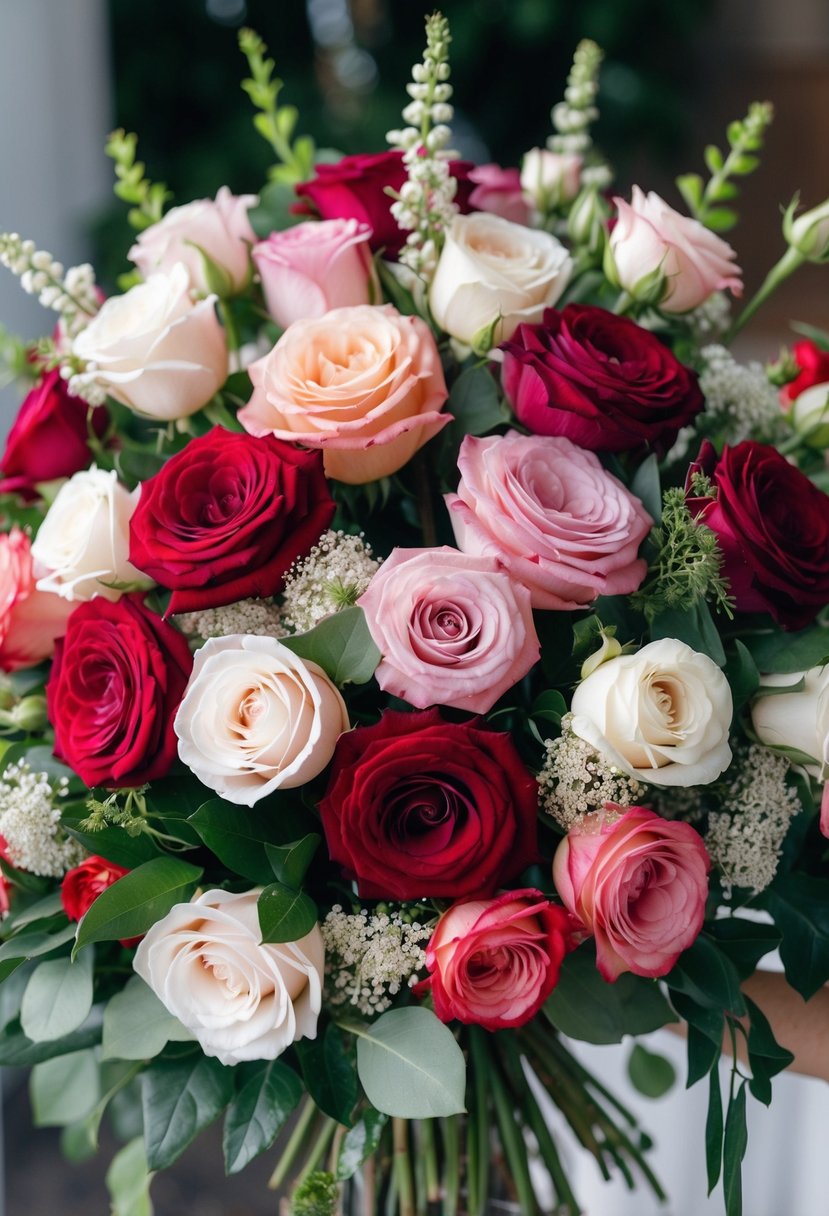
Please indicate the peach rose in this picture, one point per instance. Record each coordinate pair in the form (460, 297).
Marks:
(30, 620)
(638, 883)
(364, 384)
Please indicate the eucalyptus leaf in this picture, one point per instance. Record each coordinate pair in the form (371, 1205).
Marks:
(128, 1181)
(653, 1075)
(341, 645)
(410, 1064)
(18, 1051)
(65, 1088)
(137, 1026)
(134, 903)
(57, 999)
(258, 1113)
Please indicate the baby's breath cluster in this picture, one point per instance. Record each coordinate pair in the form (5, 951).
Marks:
(30, 823)
(371, 956)
(425, 206)
(334, 575)
(261, 618)
(576, 780)
(710, 319)
(72, 294)
(572, 116)
(745, 837)
(740, 402)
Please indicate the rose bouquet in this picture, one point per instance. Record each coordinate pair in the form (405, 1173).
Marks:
(414, 627)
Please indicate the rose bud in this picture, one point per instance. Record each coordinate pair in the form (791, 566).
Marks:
(82, 886)
(812, 365)
(809, 232)
(498, 191)
(549, 179)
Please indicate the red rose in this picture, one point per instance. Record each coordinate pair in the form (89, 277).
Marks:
(772, 525)
(49, 437)
(814, 369)
(224, 519)
(600, 380)
(116, 683)
(420, 807)
(82, 886)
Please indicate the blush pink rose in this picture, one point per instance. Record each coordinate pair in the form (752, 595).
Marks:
(499, 192)
(365, 384)
(311, 268)
(452, 629)
(30, 620)
(650, 238)
(638, 883)
(494, 962)
(554, 518)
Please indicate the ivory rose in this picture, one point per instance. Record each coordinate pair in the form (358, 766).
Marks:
(84, 541)
(311, 268)
(494, 962)
(365, 384)
(652, 244)
(638, 883)
(240, 997)
(256, 718)
(452, 629)
(550, 178)
(662, 714)
(219, 229)
(30, 620)
(495, 273)
(154, 350)
(548, 511)
(798, 720)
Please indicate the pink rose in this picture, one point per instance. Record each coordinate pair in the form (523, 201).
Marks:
(365, 384)
(499, 192)
(219, 229)
(311, 268)
(494, 962)
(452, 629)
(30, 620)
(638, 883)
(550, 513)
(651, 239)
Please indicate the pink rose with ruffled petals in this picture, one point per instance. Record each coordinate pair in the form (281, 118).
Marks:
(554, 518)
(499, 192)
(638, 883)
(313, 267)
(494, 962)
(650, 238)
(453, 629)
(30, 620)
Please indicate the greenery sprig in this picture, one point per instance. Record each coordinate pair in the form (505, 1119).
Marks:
(148, 198)
(275, 123)
(708, 201)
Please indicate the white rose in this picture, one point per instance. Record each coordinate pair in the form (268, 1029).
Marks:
(241, 998)
(550, 178)
(256, 718)
(491, 268)
(661, 715)
(798, 720)
(154, 350)
(809, 233)
(810, 415)
(84, 541)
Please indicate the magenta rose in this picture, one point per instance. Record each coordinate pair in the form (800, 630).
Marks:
(116, 683)
(551, 515)
(601, 380)
(419, 807)
(225, 518)
(452, 629)
(49, 438)
(494, 962)
(638, 883)
(772, 525)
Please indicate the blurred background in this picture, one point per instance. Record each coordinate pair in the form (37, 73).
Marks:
(675, 74)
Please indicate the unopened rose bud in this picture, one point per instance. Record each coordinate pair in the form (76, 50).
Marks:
(609, 649)
(587, 218)
(550, 178)
(30, 714)
(809, 233)
(810, 416)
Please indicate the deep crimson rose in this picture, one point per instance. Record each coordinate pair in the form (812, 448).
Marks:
(82, 886)
(600, 380)
(117, 679)
(772, 524)
(419, 807)
(814, 369)
(48, 438)
(224, 519)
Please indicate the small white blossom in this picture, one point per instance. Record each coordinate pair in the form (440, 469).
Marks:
(739, 399)
(72, 294)
(334, 575)
(573, 116)
(370, 957)
(261, 618)
(30, 823)
(576, 780)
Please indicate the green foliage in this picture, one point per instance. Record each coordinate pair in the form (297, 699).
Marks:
(65, 1088)
(180, 1099)
(688, 564)
(360, 1141)
(134, 903)
(239, 835)
(275, 123)
(707, 202)
(147, 198)
(316, 1195)
(57, 999)
(799, 905)
(285, 914)
(586, 1007)
(136, 1024)
(653, 1075)
(269, 1092)
(410, 1065)
(128, 1181)
(341, 645)
(328, 1071)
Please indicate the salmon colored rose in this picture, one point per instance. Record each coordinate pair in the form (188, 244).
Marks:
(30, 620)
(364, 384)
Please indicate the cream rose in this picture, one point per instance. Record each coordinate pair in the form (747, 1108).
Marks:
(492, 271)
(549, 179)
(798, 720)
(662, 714)
(240, 997)
(154, 350)
(84, 541)
(256, 718)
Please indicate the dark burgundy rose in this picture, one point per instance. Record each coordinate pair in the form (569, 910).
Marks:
(772, 524)
(224, 519)
(117, 679)
(814, 369)
(419, 807)
(49, 437)
(600, 380)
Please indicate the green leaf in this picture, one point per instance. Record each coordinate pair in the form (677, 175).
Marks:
(329, 1073)
(820, 337)
(359, 1142)
(549, 706)
(180, 1098)
(713, 1130)
(273, 211)
(703, 1055)
(720, 219)
(742, 675)
(713, 159)
(709, 1022)
(36, 941)
(765, 1055)
(341, 645)
(65, 1088)
(651, 1074)
(799, 905)
(410, 1065)
(693, 626)
(128, 1181)
(784, 653)
(647, 487)
(137, 1025)
(744, 941)
(586, 1007)
(290, 862)
(708, 976)
(690, 186)
(735, 1144)
(238, 834)
(134, 903)
(258, 1113)
(57, 999)
(18, 1051)
(285, 915)
(476, 403)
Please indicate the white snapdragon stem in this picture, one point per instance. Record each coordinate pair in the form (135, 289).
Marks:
(72, 294)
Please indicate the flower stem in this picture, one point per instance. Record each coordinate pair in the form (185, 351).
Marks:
(781, 270)
(425, 507)
(403, 1166)
(430, 1160)
(295, 1143)
(451, 1166)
